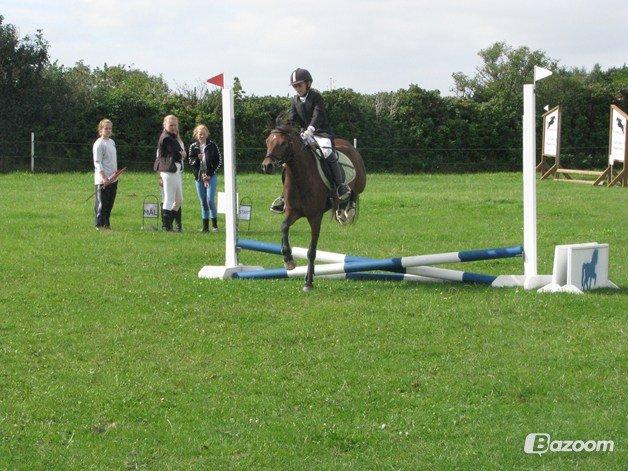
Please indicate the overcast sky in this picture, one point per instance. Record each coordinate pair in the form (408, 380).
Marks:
(365, 45)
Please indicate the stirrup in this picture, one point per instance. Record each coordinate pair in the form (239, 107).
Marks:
(345, 195)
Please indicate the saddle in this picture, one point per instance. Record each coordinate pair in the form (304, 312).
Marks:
(343, 212)
(348, 170)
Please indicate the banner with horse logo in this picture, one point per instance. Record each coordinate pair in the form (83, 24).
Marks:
(618, 138)
(551, 132)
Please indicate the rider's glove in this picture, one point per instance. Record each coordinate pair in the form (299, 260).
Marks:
(308, 134)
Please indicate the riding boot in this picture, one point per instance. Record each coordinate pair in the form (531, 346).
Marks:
(166, 218)
(336, 172)
(205, 225)
(177, 220)
(214, 224)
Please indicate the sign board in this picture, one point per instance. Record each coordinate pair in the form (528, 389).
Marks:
(551, 132)
(151, 210)
(580, 267)
(618, 135)
(245, 212)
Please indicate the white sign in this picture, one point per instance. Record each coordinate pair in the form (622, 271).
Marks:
(245, 212)
(551, 126)
(580, 267)
(151, 210)
(617, 146)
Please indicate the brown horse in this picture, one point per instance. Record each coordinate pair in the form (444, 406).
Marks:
(304, 192)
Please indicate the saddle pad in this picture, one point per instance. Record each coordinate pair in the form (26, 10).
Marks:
(347, 167)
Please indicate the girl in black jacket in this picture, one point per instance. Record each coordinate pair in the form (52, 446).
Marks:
(169, 164)
(307, 111)
(205, 159)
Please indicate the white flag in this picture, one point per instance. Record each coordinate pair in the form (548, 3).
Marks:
(541, 73)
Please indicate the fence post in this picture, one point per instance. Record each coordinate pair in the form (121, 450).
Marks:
(33, 152)
(355, 142)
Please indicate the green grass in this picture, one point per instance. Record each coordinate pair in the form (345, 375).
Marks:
(113, 354)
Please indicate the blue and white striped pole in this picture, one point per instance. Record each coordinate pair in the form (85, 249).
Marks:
(370, 276)
(415, 265)
(297, 252)
(418, 260)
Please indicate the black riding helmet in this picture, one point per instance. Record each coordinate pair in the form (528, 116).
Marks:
(300, 75)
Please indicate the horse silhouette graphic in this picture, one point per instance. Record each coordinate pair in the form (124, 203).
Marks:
(589, 277)
(620, 123)
(551, 121)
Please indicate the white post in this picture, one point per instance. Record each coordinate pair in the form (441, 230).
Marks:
(355, 142)
(231, 265)
(228, 135)
(33, 152)
(532, 279)
(529, 181)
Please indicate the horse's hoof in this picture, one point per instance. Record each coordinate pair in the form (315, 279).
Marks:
(345, 217)
(307, 288)
(289, 265)
(340, 216)
(349, 215)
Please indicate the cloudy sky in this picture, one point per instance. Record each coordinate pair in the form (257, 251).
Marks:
(365, 45)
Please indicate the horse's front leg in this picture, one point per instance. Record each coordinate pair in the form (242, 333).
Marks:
(315, 226)
(286, 250)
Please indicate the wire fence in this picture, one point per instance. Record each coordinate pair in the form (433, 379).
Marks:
(59, 156)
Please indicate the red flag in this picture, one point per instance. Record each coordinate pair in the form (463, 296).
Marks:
(217, 80)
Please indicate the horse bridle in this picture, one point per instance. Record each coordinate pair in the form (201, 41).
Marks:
(289, 156)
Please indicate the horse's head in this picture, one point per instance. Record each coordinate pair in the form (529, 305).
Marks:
(281, 146)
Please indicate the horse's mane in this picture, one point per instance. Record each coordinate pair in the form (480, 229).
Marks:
(285, 129)
(283, 124)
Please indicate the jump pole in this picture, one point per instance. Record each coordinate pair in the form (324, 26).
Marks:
(417, 274)
(414, 265)
(382, 277)
(417, 260)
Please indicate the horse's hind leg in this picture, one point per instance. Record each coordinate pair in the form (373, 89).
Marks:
(286, 250)
(315, 226)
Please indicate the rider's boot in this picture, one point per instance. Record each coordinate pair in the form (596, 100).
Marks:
(344, 192)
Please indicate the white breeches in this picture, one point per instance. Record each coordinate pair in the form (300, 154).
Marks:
(325, 145)
(173, 189)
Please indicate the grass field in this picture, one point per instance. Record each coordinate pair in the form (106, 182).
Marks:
(113, 354)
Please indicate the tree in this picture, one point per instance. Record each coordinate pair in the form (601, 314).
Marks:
(502, 73)
(22, 63)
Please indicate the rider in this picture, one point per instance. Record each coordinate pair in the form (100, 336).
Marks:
(308, 112)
